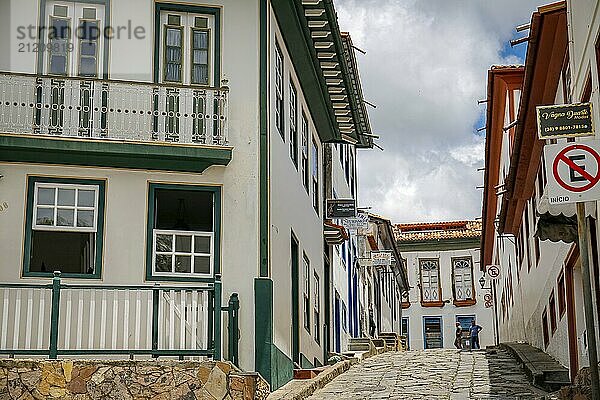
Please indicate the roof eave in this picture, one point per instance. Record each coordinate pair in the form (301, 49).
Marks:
(522, 158)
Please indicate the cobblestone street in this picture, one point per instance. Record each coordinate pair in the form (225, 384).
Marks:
(433, 374)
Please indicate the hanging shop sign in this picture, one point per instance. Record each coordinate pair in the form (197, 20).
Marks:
(560, 121)
(341, 208)
(361, 221)
(381, 258)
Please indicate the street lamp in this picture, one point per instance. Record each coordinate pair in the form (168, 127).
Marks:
(482, 282)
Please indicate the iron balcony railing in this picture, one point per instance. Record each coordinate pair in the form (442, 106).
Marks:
(81, 320)
(85, 108)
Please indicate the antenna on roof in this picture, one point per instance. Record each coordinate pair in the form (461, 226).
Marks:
(378, 146)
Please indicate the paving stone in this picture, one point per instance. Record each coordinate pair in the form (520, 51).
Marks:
(433, 374)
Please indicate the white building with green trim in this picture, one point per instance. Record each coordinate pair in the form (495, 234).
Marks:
(442, 260)
(163, 156)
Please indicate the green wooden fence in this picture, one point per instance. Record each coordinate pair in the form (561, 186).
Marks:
(105, 320)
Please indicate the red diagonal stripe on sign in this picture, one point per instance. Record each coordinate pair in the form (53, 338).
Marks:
(578, 169)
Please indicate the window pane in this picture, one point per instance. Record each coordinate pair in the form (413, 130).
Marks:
(202, 244)
(46, 196)
(58, 64)
(174, 55)
(45, 216)
(86, 198)
(85, 218)
(89, 13)
(65, 217)
(60, 11)
(183, 244)
(201, 22)
(163, 263)
(87, 66)
(200, 57)
(184, 210)
(200, 74)
(201, 265)
(68, 252)
(173, 72)
(66, 197)
(183, 263)
(200, 40)
(173, 37)
(88, 48)
(164, 243)
(88, 30)
(60, 29)
(174, 19)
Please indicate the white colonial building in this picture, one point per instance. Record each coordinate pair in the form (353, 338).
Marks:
(540, 291)
(163, 156)
(442, 261)
(381, 287)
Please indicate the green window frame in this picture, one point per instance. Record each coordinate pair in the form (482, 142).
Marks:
(306, 292)
(293, 123)
(214, 12)
(29, 224)
(216, 237)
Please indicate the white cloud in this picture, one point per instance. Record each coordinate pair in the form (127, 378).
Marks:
(425, 68)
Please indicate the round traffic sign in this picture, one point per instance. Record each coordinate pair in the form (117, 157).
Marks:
(493, 271)
(586, 178)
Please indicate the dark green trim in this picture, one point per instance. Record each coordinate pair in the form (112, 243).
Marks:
(216, 190)
(447, 244)
(297, 37)
(218, 337)
(283, 368)
(270, 362)
(263, 326)
(264, 144)
(31, 181)
(54, 315)
(214, 11)
(294, 244)
(97, 153)
(305, 362)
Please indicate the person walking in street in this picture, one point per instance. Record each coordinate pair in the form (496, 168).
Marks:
(458, 338)
(474, 335)
(371, 324)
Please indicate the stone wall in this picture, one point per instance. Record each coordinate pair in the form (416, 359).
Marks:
(156, 380)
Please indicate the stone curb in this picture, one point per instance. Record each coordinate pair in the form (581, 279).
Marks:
(302, 389)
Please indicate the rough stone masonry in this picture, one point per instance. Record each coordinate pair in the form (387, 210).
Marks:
(156, 380)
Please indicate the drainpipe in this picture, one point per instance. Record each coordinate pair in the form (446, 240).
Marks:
(582, 228)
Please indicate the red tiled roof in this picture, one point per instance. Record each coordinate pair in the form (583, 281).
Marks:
(437, 231)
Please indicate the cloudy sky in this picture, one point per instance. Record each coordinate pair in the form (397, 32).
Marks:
(425, 68)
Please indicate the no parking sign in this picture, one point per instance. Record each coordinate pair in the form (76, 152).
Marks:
(573, 171)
